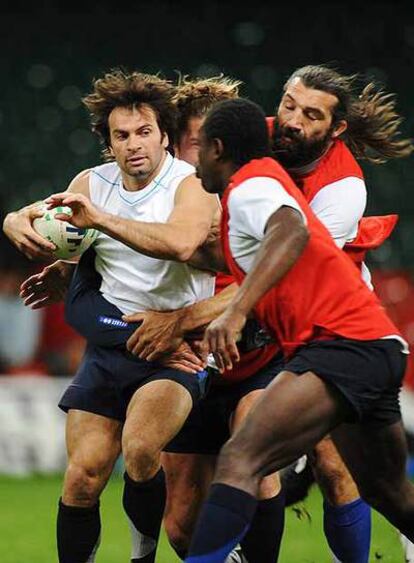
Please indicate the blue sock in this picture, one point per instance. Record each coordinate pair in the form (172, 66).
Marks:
(348, 531)
(224, 519)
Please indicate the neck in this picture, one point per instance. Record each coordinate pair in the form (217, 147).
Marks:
(229, 168)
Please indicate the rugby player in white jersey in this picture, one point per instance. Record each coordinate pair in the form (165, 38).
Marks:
(151, 213)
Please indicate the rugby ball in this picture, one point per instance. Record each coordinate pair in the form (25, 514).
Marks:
(70, 241)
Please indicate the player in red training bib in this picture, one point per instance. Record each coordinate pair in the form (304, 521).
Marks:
(345, 358)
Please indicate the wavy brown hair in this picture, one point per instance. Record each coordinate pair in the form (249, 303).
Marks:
(194, 97)
(130, 90)
(373, 131)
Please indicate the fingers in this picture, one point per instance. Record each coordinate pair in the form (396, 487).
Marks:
(41, 303)
(64, 198)
(63, 217)
(32, 280)
(134, 317)
(38, 240)
(182, 366)
(55, 200)
(133, 344)
(222, 344)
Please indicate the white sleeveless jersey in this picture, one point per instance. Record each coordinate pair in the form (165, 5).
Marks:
(131, 280)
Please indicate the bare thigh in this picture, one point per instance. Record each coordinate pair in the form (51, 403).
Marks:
(376, 456)
(155, 414)
(292, 415)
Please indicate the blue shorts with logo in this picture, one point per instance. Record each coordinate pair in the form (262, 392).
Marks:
(109, 375)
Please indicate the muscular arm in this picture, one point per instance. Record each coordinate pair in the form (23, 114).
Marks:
(162, 332)
(285, 239)
(186, 228)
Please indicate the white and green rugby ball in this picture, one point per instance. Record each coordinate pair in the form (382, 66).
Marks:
(70, 241)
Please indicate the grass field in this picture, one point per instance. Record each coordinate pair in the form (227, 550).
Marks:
(27, 527)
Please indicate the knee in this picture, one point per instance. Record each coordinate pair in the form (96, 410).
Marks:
(83, 484)
(141, 460)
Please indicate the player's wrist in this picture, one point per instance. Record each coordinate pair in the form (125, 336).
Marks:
(101, 221)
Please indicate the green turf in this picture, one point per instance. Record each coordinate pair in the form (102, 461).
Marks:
(27, 527)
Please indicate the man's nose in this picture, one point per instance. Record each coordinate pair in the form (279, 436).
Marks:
(134, 142)
(295, 121)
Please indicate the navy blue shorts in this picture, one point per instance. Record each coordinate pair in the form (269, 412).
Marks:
(107, 378)
(207, 427)
(367, 373)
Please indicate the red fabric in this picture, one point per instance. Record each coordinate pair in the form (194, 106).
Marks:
(396, 291)
(223, 281)
(338, 163)
(334, 301)
(372, 232)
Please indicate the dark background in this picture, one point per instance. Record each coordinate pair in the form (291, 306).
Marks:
(51, 52)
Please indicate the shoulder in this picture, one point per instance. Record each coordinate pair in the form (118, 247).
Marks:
(107, 174)
(80, 183)
(190, 190)
(340, 163)
(349, 188)
(258, 188)
(176, 171)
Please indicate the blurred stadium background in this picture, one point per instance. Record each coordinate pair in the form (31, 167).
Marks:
(50, 55)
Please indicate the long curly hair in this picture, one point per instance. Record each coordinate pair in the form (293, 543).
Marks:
(373, 131)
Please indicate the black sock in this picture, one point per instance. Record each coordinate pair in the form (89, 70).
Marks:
(181, 553)
(224, 519)
(144, 504)
(261, 544)
(78, 533)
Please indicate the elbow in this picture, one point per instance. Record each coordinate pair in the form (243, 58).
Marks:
(183, 252)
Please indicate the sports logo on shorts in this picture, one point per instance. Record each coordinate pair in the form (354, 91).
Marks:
(112, 321)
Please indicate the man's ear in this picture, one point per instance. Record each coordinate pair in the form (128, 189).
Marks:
(111, 152)
(218, 148)
(165, 141)
(340, 128)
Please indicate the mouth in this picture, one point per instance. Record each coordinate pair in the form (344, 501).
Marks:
(136, 160)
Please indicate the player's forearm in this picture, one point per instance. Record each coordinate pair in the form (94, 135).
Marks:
(203, 312)
(282, 246)
(158, 240)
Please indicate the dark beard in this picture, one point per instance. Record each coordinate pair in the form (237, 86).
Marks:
(298, 152)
